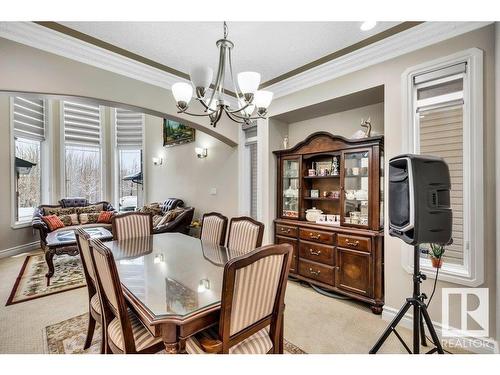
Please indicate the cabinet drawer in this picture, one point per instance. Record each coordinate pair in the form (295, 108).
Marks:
(317, 236)
(286, 230)
(354, 242)
(316, 271)
(318, 253)
(294, 243)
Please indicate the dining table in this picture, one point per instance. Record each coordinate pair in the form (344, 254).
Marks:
(173, 282)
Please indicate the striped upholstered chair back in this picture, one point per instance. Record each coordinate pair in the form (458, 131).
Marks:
(110, 291)
(245, 235)
(131, 225)
(213, 228)
(95, 309)
(253, 296)
(125, 332)
(82, 241)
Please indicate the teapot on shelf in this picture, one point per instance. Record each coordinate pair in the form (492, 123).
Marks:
(313, 214)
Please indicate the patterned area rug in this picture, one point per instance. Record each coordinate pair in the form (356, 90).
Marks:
(32, 283)
(68, 337)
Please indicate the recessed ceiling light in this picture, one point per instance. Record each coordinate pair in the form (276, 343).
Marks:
(368, 25)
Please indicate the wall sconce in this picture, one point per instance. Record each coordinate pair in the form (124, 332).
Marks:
(159, 259)
(157, 161)
(204, 285)
(201, 152)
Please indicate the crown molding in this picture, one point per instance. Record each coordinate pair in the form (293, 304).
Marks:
(410, 40)
(417, 37)
(48, 40)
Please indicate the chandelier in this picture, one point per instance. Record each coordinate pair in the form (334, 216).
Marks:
(252, 103)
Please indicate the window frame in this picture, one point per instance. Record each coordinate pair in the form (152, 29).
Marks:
(471, 273)
(245, 189)
(115, 160)
(45, 186)
(102, 152)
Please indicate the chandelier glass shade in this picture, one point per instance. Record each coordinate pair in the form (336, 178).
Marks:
(252, 103)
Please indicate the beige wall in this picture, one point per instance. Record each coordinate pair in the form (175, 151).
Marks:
(31, 70)
(27, 69)
(397, 280)
(342, 123)
(184, 176)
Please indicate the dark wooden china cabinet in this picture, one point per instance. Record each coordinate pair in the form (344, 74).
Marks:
(330, 209)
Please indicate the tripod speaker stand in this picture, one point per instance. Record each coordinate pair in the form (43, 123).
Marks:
(420, 315)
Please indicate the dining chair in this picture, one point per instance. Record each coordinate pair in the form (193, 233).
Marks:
(245, 234)
(95, 310)
(213, 228)
(131, 225)
(125, 332)
(252, 305)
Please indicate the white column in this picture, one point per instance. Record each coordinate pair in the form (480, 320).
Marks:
(497, 167)
(265, 211)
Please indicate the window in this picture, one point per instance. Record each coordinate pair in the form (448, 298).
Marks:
(129, 172)
(251, 166)
(28, 121)
(446, 121)
(82, 149)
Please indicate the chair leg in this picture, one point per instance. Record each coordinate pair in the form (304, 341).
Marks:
(103, 339)
(281, 344)
(90, 332)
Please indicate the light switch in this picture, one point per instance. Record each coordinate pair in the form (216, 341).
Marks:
(213, 191)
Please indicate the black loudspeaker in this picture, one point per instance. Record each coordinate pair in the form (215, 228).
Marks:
(419, 199)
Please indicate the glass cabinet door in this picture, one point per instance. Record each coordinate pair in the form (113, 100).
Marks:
(356, 188)
(290, 188)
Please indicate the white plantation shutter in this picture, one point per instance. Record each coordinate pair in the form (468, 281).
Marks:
(82, 124)
(129, 129)
(441, 134)
(29, 118)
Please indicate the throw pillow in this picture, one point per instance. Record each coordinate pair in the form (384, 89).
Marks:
(66, 219)
(74, 219)
(93, 208)
(152, 208)
(89, 218)
(53, 222)
(58, 211)
(170, 216)
(105, 217)
(156, 220)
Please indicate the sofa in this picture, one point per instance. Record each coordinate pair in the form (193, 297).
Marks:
(180, 224)
(182, 216)
(39, 224)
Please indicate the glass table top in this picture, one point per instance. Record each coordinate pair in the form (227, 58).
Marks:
(68, 236)
(171, 274)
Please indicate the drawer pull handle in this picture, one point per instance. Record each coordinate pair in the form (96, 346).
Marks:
(315, 236)
(312, 252)
(283, 230)
(353, 244)
(313, 272)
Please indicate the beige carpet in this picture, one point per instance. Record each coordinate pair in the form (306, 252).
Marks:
(68, 337)
(32, 283)
(314, 323)
(320, 324)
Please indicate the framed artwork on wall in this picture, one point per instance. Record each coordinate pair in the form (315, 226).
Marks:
(175, 133)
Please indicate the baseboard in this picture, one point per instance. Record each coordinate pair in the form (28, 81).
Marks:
(479, 345)
(19, 249)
